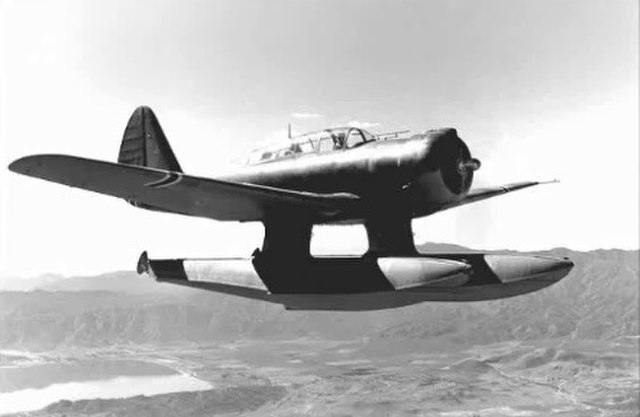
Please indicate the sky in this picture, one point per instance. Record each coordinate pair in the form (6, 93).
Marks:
(537, 89)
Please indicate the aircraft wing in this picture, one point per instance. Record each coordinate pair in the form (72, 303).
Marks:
(480, 194)
(179, 193)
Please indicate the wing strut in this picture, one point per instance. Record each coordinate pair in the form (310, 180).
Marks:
(391, 235)
(287, 236)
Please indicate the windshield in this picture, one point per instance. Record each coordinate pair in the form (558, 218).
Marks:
(355, 138)
(316, 142)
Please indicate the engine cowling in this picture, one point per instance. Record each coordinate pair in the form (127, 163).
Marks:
(451, 156)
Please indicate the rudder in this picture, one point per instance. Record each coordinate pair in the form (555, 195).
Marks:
(144, 143)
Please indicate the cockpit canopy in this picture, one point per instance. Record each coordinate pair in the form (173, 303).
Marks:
(315, 142)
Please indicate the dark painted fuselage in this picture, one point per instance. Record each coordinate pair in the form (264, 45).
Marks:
(348, 177)
(411, 177)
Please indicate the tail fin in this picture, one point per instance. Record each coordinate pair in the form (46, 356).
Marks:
(145, 144)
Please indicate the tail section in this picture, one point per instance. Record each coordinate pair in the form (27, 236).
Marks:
(144, 143)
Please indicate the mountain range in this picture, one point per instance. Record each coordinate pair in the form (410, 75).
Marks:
(598, 299)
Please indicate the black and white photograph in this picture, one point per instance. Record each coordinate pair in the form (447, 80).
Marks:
(319, 208)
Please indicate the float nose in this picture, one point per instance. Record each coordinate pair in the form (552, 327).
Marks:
(565, 263)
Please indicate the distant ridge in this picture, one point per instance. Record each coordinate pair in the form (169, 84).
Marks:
(131, 282)
(120, 281)
(599, 299)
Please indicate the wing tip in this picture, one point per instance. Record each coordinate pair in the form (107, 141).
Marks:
(22, 165)
(26, 164)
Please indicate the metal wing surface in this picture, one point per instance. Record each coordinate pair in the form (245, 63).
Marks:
(480, 194)
(179, 193)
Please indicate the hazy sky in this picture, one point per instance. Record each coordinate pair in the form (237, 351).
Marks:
(538, 90)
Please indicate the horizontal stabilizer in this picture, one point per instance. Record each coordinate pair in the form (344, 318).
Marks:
(180, 193)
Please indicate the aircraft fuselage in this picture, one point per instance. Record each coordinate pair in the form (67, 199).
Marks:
(344, 175)
(407, 176)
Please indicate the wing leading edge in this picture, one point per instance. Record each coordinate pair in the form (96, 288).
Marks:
(480, 194)
(180, 193)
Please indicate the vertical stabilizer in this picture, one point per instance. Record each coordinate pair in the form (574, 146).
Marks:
(144, 143)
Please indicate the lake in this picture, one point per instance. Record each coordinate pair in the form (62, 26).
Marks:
(34, 385)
